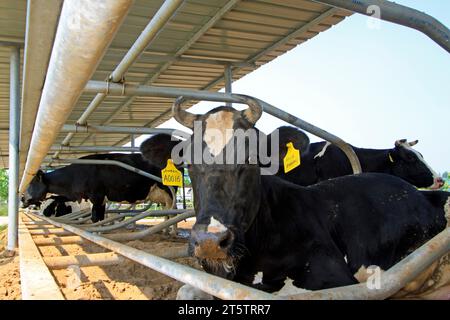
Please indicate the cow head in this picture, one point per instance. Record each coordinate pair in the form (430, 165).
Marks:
(410, 165)
(227, 195)
(36, 191)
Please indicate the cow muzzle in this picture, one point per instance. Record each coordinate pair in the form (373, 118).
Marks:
(212, 246)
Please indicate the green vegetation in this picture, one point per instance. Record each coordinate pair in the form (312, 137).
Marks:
(3, 227)
(3, 185)
(3, 209)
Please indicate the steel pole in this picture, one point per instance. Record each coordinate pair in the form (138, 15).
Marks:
(14, 134)
(85, 30)
(398, 14)
(156, 24)
(228, 76)
(72, 128)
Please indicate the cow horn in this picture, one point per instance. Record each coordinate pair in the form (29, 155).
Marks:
(413, 143)
(254, 110)
(182, 116)
(400, 142)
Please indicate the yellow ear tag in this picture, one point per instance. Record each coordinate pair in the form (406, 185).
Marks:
(171, 176)
(292, 158)
(390, 158)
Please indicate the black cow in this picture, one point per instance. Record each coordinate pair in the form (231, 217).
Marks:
(324, 161)
(99, 183)
(319, 236)
(57, 207)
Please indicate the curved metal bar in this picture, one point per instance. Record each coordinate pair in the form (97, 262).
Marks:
(147, 207)
(73, 216)
(393, 279)
(398, 14)
(216, 286)
(168, 92)
(131, 220)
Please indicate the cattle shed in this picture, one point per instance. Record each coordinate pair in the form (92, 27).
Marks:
(78, 77)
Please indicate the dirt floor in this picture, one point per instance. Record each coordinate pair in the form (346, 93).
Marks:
(128, 280)
(9, 272)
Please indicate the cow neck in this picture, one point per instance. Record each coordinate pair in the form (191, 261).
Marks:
(57, 181)
(374, 160)
(272, 216)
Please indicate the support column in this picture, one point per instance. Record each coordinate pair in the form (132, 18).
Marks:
(228, 80)
(133, 142)
(14, 133)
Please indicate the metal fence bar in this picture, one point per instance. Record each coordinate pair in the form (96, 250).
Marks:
(112, 129)
(208, 283)
(168, 92)
(398, 14)
(94, 148)
(393, 279)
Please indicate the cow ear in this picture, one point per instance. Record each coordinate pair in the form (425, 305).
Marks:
(157, 149)
(290, 134)
(413, 143)
(398, 143)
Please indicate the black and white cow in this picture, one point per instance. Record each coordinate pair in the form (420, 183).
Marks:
(99, 183)
(318, 236)
(324, 161)
(55, 206)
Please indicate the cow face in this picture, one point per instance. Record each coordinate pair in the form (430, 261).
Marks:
(410, 165)
(36, 191)
(226, 195)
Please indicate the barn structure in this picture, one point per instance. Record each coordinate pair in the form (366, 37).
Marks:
(79, 77)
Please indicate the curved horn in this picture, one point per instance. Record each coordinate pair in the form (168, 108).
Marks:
(182, 116)
(413, 143)
(254, 110)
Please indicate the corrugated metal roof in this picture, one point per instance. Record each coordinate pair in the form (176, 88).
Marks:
(190, 52)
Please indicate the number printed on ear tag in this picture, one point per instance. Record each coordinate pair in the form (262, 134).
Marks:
(292, 158)
(171, 176)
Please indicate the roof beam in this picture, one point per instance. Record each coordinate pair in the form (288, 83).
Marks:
(294, 34)
(217, 16)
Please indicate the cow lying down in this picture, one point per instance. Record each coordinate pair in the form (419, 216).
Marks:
(58, 206)
(316, 237)
(100, 183)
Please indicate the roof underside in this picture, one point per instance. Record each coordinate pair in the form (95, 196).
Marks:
(185, 54)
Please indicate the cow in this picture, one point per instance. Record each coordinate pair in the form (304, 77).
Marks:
(323, 161)
(318, 236)
(100, 183)
(55, 206)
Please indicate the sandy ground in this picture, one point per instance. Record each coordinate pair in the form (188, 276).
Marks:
(128, 280)
(9, 273)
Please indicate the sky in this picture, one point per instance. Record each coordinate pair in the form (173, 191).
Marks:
(368, 82)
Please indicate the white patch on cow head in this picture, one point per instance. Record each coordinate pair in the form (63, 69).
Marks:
(289, 289)
(322, 152)
(216, 226)
(258, 278)
(218, 131)
(407, 146)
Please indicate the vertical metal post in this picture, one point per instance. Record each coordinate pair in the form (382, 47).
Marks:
(228, 76)
(184, 194)
(133, 143)
(14, 133)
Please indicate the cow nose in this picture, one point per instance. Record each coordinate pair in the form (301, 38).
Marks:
(211, 245)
